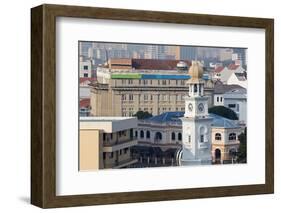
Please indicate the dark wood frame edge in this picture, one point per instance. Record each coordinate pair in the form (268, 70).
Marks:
(43, 105)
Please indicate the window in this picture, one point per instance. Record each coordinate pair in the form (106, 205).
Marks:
(147, 134)
(104, 155)
(179, 137)
(126, 150)
(141, 134)
(131, 97)
(151, 97)
(231, 105)
(201, 138)
(232, 137)
(237, 108)
(111, 155)
(163, 82)
(136, 133)
(218, 99)
(158, 136)
(145, 97)
(120, 152)
(182, 82)
(111, 136)
(218, 136)
(104, 136)
(144, 82)
(189, 138)
(85, 75)
(123, 97)
(130, 81)
(85, 67)
(173, 136)
(195, 87)
(221, 99)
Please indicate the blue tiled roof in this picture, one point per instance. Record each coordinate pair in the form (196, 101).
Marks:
(174, 117)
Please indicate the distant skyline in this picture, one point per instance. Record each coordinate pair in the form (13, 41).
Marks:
(100, 52)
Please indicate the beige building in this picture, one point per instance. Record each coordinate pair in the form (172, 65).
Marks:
(106, 142)
(225, 142)
(126, 86)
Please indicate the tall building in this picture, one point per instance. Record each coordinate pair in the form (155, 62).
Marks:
(126, 86)
(106, 142)
(85, 67)
(188, 52)
(196, 123)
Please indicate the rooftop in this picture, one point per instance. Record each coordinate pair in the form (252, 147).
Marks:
(108, 124)
(146, 64)
(233, 66)
(85, 103)
(157, 64)
(174, 118)
(220, 88)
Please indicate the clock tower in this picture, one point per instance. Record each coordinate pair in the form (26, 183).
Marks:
(196, 123)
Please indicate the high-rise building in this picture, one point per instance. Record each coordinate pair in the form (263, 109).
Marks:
(188, 52)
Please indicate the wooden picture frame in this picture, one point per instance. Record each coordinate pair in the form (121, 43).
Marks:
(43, 105)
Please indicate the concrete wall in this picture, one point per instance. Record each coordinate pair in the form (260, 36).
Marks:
(89, 150)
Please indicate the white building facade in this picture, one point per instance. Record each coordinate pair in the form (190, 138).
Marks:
(196, 123)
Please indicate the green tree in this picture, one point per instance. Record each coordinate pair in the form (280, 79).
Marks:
(142, 115)
(242, 151)
(224, 112)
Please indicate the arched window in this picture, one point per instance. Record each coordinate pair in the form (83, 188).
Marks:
(179, 137)
(147, 134)
(195, 88)
(141, 134)
(218, 136)
(136, 133)
(158, 136)
(173, 136)
(232, 137)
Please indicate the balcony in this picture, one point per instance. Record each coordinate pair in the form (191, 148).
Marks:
(117, 145)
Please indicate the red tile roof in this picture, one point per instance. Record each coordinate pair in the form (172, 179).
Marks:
(219, 69)
(81, 80)
(156, 64)
(232, 66)
(85, 103)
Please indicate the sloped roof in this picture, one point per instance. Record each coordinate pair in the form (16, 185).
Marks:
(85, 103)
(157, 64)
(233, 66)
(82, 80)
(223, 88)
(219, 69)
(174, 118)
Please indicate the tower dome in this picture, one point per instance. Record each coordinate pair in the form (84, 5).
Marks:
(196, 72)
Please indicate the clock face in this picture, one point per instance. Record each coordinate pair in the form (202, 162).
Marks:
(201, 107)
(190, 107)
